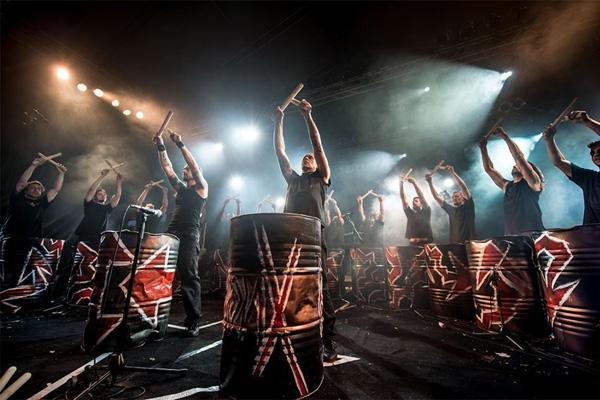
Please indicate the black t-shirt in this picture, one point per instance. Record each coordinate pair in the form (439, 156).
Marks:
(372, 235)
(306, 194)
(187, 213)
(95, 219)
(462, 221)
(521, 208)
(25, 216)
(418, 223)
(334, 235)
(589, 182)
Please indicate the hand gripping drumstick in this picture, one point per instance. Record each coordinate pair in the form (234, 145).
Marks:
(437, 166)
(292, 96)
(164, 124)
(114, 167)
(50, 159)
(493, 128)
(564, 113)
(157, 182)
(407, 174)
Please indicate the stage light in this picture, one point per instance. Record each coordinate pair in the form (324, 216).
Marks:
(139, 115)
(98, 92)
(115, 103)
(427, 89)
(235, 182)
(247, 134)
(81, 87)
(448, 182)
(280, 202)
(127, 112)
(62, 73)
(505, 75)
(219, 147)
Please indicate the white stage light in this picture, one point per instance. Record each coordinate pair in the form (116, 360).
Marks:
(62, 73)
(427, 89)
(127, 112)
(448, 182)
(247, 134)
(81, 87)
(98, 92)
(235, 182)
(505, 75)
(139, 115)
(115, 103)
(219, 147)
(280, 202)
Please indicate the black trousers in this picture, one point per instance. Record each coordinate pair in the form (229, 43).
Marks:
(328, 309)
(187, 270)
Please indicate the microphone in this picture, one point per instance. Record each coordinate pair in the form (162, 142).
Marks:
(146, 210)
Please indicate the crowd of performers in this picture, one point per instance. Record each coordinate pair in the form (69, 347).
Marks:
(307, 194)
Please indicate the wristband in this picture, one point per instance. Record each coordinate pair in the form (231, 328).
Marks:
(179, 144)
(160, 147)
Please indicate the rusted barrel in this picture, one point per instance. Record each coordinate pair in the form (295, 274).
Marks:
(449, 280)
(151, 298)
(27, 266)
(272, 346)
(369, 275)
(569, 262)
(506, 290)
(335, 258)
(84, 267)
(406, 277)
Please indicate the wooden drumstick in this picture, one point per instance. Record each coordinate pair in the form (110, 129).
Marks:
(15, 386)
(113, 167)
(295, 102)
(437, 166)
(563, 114)
(493, 128)
(157, 182)
(292, 95)
(50, 160)
(6, 377)
(407, 174)
(164, 124)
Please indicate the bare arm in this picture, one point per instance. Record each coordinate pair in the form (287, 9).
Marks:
(361, 209)
(222, 211)
(315, 139)
(238, 207)
(419, 192)
(279, 143)
(403, 193)
(327, 215)
(165, 199)
(24, 178)
(338, 212)
(143, 195)
(463, 186)
(556, 156)
(94, 186)
(433, 190)
(488, 166)
(201, 184)
(166, 165)
(381, 208)
(582, 117)
(114, 200)
(58, 184)
(531, 177)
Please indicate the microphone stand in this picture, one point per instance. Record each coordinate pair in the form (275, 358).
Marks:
(116, 364)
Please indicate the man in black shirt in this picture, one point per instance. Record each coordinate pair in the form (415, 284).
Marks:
(522, 211)
(29, 202)
(334, 227)
(461, 213)
(306, 195)
(372, 228)
(587, 179)
(189, 206)
(418, 218)
(96, 212)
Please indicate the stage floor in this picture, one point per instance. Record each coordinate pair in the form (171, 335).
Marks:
(390, 355)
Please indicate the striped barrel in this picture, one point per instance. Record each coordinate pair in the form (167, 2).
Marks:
(335, 258)
(369, 275)
(84, 267)
(406, 277)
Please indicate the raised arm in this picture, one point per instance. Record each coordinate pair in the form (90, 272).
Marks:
(201, 184)
(89, 196)
(24, 178)
(434, 192)
(582, 117)
(338, 212)
(114, 200)
(315, 139)
(381, 208)
(327, 214)
(164, 204)
(556, 156)
(463, 186)
(166, 165)
(531, 177)
(279, 143)
(222, 210)
(58, 184)
(144, 194)
(238, 207)
(488, 166)
(361, 209)
(419, 192)
(403, 193)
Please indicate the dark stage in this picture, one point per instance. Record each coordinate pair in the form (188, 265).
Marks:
(399, 355)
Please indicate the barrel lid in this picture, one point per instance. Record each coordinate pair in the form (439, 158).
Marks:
(254, 215)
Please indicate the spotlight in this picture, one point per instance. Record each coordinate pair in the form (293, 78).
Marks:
(247, 134)
(115, 103)
(81, 87)
(505, 75)
(235, 182)
(219, 147)
(427, 89)
(127, 112)
(62, 73)
(448, 182)
(139, 115)
(98, 92)
(280, 202)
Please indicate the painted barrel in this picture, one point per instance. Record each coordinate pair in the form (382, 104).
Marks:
(449, 281)
(152, 291)
(569, 262)
(369, 275)
(272, 346)
(406, 277)
(506, 289)
(84, 267)
(28, 266)
(335, 258)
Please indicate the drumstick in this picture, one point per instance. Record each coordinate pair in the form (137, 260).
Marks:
(164, 124)
(157, 182)
(437, 166)
(114, 166)
(493, 128)
(119, 165)
(295, 102)
(292, 95)
(329, 195)
(6, 377)
(50, 160)
(51, 157)
(407, 174)
(563, 114)
(15, 386)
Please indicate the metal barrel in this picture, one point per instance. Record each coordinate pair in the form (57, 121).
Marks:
(506, 290)
(406, 277)
(151, 298)
(272, 345)
(569, 262)
(28, 266)
(84, 267)
(449, 281)
(369, 275)
(335, 258)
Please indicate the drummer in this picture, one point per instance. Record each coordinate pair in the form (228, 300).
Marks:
(306, 195)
